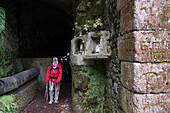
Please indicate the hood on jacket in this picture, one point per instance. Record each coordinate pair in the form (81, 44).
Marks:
(57, 64)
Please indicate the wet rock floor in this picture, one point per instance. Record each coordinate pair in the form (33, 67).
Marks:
(39, 105)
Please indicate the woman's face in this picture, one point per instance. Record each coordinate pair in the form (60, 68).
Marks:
(55, 62)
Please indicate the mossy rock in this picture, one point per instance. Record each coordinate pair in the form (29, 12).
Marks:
(7, 64)
(19, 66)
(16, 101)
(77, 105)
(80, 82)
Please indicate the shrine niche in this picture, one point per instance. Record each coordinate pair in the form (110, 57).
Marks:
(97, 45)
(78, 46)
(78, 50)
(91, 46)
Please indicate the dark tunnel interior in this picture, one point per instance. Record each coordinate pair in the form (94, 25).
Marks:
(45, 27)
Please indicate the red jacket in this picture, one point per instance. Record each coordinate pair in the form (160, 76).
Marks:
(58, 73)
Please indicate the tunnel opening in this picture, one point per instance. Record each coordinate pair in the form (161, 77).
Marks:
(44, 28)
(39, 28)
(37, 31)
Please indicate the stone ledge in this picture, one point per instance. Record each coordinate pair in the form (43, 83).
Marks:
(144, 46)
(146, 77)
(144, 103)
(77, 59)
(145, 15)
(25, 94)
(96, 56)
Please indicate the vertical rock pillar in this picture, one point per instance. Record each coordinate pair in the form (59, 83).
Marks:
(144, 52)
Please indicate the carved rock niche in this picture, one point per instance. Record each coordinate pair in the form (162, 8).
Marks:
(78, 46)
(77, 51)
(97, 47)
(84, 48)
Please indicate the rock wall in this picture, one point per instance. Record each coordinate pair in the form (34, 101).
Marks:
(11, 26)
(143, 49)
(137, 73)
(88, 89)
(84, 10)
(9, 64)
(113, 72)
(42, 64)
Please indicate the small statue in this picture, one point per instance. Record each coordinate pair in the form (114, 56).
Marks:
(82, 47)
(80, 33)
(97, 48)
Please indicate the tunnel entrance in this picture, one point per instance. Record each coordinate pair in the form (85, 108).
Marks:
(39, 30)
(45, 28)
(137, 46)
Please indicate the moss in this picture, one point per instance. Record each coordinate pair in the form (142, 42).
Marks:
(19, 66)
(80, 82)
(91, 80)
(117, 62)
(1, 39)
(114, 53)
(77, 101)
(162, 63)
(167, 85)
(96, 85)
(7, 64)
(115, 70)
(150, 9)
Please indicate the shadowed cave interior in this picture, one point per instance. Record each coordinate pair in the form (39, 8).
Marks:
(44, 27)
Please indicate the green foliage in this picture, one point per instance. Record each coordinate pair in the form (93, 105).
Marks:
(5, 56)
(7, 104)
(96, 86)
(1, 39)
(94, 10)
(7, 63)
(19, 66)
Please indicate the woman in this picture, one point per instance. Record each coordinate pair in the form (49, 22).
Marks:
(53, 76)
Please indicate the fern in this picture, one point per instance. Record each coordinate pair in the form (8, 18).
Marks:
(2, 20)
(8, 104)
(2, 25)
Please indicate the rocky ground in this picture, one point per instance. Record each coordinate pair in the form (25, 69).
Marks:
(39, 105)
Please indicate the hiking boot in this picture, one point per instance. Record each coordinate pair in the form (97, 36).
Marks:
(50, 102)
(56, 101)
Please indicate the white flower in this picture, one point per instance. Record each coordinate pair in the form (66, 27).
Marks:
(76, 23)
(85, 29)
(98, 23)
(94, 25)
(101, 24)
